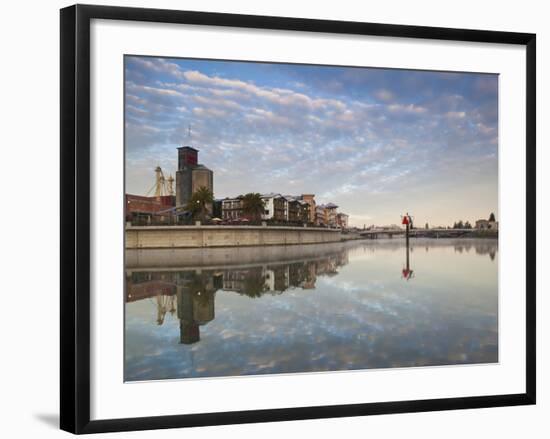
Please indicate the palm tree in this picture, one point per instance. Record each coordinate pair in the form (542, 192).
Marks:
(199, 202)
(253, 206)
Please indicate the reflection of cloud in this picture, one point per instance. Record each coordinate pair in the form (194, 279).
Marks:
(384, 95)
(364, 317)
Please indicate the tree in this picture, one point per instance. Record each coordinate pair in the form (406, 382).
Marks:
(467, 225)
(427, 226)
(253, 206)
(460, 225)
(492, 217)
(199, 202)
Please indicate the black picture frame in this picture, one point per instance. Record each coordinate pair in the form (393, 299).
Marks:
(75, 217)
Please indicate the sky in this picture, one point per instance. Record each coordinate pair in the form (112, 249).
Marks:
(376, 142)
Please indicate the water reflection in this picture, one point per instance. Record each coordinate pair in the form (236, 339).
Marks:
(359, 316)
(196, 289)
(407, 271)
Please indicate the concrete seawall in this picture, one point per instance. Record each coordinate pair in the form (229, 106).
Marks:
(177, 259)
(225, 236)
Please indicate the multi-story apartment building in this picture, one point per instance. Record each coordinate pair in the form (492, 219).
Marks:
(298, 210)
(310, 200)
(330, 213)
(295, 209)
(276, 207)
(342, 220)
(232, 208)
(325, 214)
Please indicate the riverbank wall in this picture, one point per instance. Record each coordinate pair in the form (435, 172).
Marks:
(157, 237)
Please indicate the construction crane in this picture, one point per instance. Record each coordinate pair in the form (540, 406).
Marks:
(163, 186)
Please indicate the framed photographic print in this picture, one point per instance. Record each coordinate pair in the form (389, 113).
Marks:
(285, 218)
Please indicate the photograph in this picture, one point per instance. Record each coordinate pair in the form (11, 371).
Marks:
(296, 218)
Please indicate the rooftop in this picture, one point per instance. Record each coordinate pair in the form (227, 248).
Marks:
(272, 195)
(201, 166)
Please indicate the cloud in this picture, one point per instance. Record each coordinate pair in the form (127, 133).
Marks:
(455, 114)
(348, 135)
(209, 112)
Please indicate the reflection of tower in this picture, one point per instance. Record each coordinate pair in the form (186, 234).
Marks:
(189, 329)
(195, 306)
(164, 304)
(191, 176)
(407, 272)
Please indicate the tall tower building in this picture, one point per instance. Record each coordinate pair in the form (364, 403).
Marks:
(191, 175)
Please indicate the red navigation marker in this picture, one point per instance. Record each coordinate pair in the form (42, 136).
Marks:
(405, 220)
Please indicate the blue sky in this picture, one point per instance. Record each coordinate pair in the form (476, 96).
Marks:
(376, 142)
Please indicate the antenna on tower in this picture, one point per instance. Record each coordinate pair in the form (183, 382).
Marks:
(189, 132)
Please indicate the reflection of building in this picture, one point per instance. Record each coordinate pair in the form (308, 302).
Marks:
(298, 274)
(280, 277)
(190, 294)
(252, 281)
(310, 276)
(191, 176)
(143, 285)
(277, 278)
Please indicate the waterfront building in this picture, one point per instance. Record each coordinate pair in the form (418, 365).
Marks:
(320, 215)
(303, 214)
(191, 175)
(142, 209)
(325, 215)
(310, 200)
(294, 209)
(483, 224)
(297, 209)
(232, 208)
(342, 220)
(330, 213)
(276, 207)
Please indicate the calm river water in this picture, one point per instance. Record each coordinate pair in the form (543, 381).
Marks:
(342, 306)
